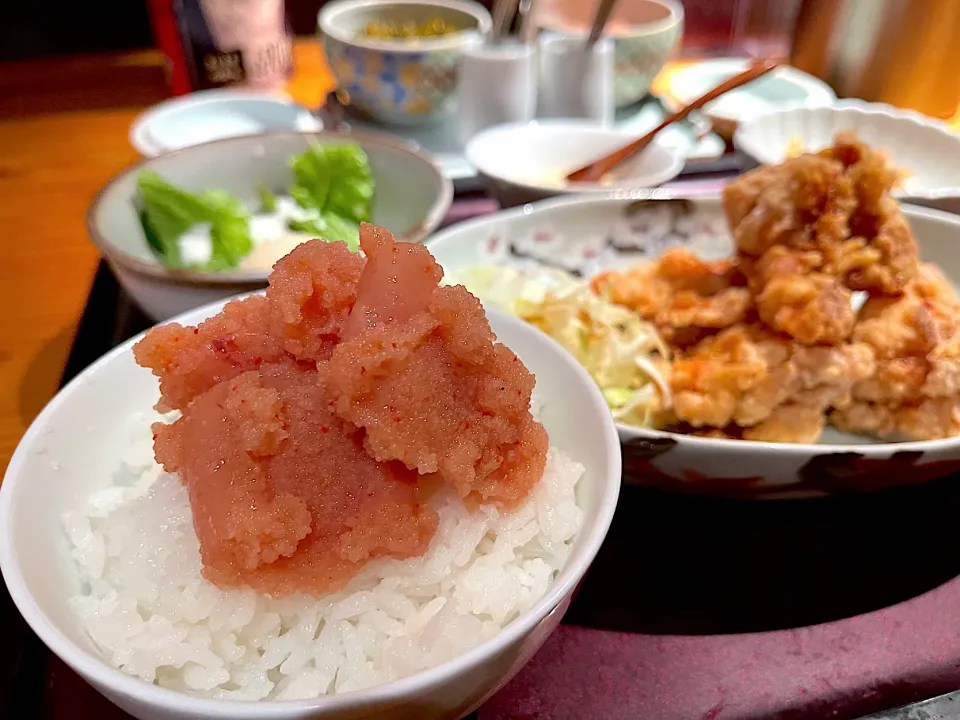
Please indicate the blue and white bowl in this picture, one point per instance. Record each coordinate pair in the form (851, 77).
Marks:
(400, 81)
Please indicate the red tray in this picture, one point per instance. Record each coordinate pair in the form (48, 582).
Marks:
(694, 608)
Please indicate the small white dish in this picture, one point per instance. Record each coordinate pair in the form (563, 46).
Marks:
(924, 148)
(528, 161)
(587, 235)
(215, 115)
(784, 86)
(77, 443)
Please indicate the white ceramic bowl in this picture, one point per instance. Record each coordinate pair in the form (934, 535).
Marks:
(412, 197)
(214, 115)
(785, 86)
(589, 235)
(523, 162)
(923, 147)
(57, 466)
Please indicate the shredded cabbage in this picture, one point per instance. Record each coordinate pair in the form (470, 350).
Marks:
(614, 344)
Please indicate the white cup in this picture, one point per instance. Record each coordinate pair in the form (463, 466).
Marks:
(498, 84)
(576, 81)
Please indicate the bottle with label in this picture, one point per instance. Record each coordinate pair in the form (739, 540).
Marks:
(218, 43)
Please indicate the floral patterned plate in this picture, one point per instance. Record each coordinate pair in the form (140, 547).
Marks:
(589, 235)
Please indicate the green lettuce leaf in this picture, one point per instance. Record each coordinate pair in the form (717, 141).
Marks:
(268, 201)
(230, 228)
(329, 227)
(167, 212)
(334, 180)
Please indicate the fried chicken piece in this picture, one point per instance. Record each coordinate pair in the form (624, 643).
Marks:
(751, 377)
(793, 422)
(686, 297)
(916, 322)
(835, 203)
(792, 297)
(915, 389)
(880, 253)
(927, 419)
(781, 217)
(800, 204)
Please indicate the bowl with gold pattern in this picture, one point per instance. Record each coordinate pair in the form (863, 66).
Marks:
(399, 60)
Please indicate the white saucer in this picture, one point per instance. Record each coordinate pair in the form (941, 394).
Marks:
(213, 115)
(784, 86)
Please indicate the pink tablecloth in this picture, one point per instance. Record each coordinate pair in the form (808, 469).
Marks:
(839, 670)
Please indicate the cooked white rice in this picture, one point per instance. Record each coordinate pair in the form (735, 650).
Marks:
(146, 606)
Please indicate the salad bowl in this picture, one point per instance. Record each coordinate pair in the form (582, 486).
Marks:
(410, 197)
(515, 257)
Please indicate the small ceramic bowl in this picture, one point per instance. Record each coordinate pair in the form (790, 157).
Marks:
(213, 115)
(412, 197)
(923, 148)
(785, 86)
(589, 235)
(407, 82)
(644, 32)
(56, 467)
(524, 162)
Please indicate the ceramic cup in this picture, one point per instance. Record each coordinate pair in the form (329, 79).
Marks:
(576, 81)
(644, 32)
(498, 84)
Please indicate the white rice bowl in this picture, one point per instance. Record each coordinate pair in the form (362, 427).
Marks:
(147, 609)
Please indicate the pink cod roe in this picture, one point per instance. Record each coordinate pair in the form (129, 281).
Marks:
(315, 418)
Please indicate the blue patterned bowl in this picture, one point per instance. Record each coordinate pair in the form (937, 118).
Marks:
(409, 82)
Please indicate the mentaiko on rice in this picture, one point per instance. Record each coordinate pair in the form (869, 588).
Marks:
(147, 608)
(356, 488)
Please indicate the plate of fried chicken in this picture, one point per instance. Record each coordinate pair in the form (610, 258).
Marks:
(809, 323)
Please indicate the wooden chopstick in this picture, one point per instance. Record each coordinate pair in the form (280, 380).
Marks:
(593, 171)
